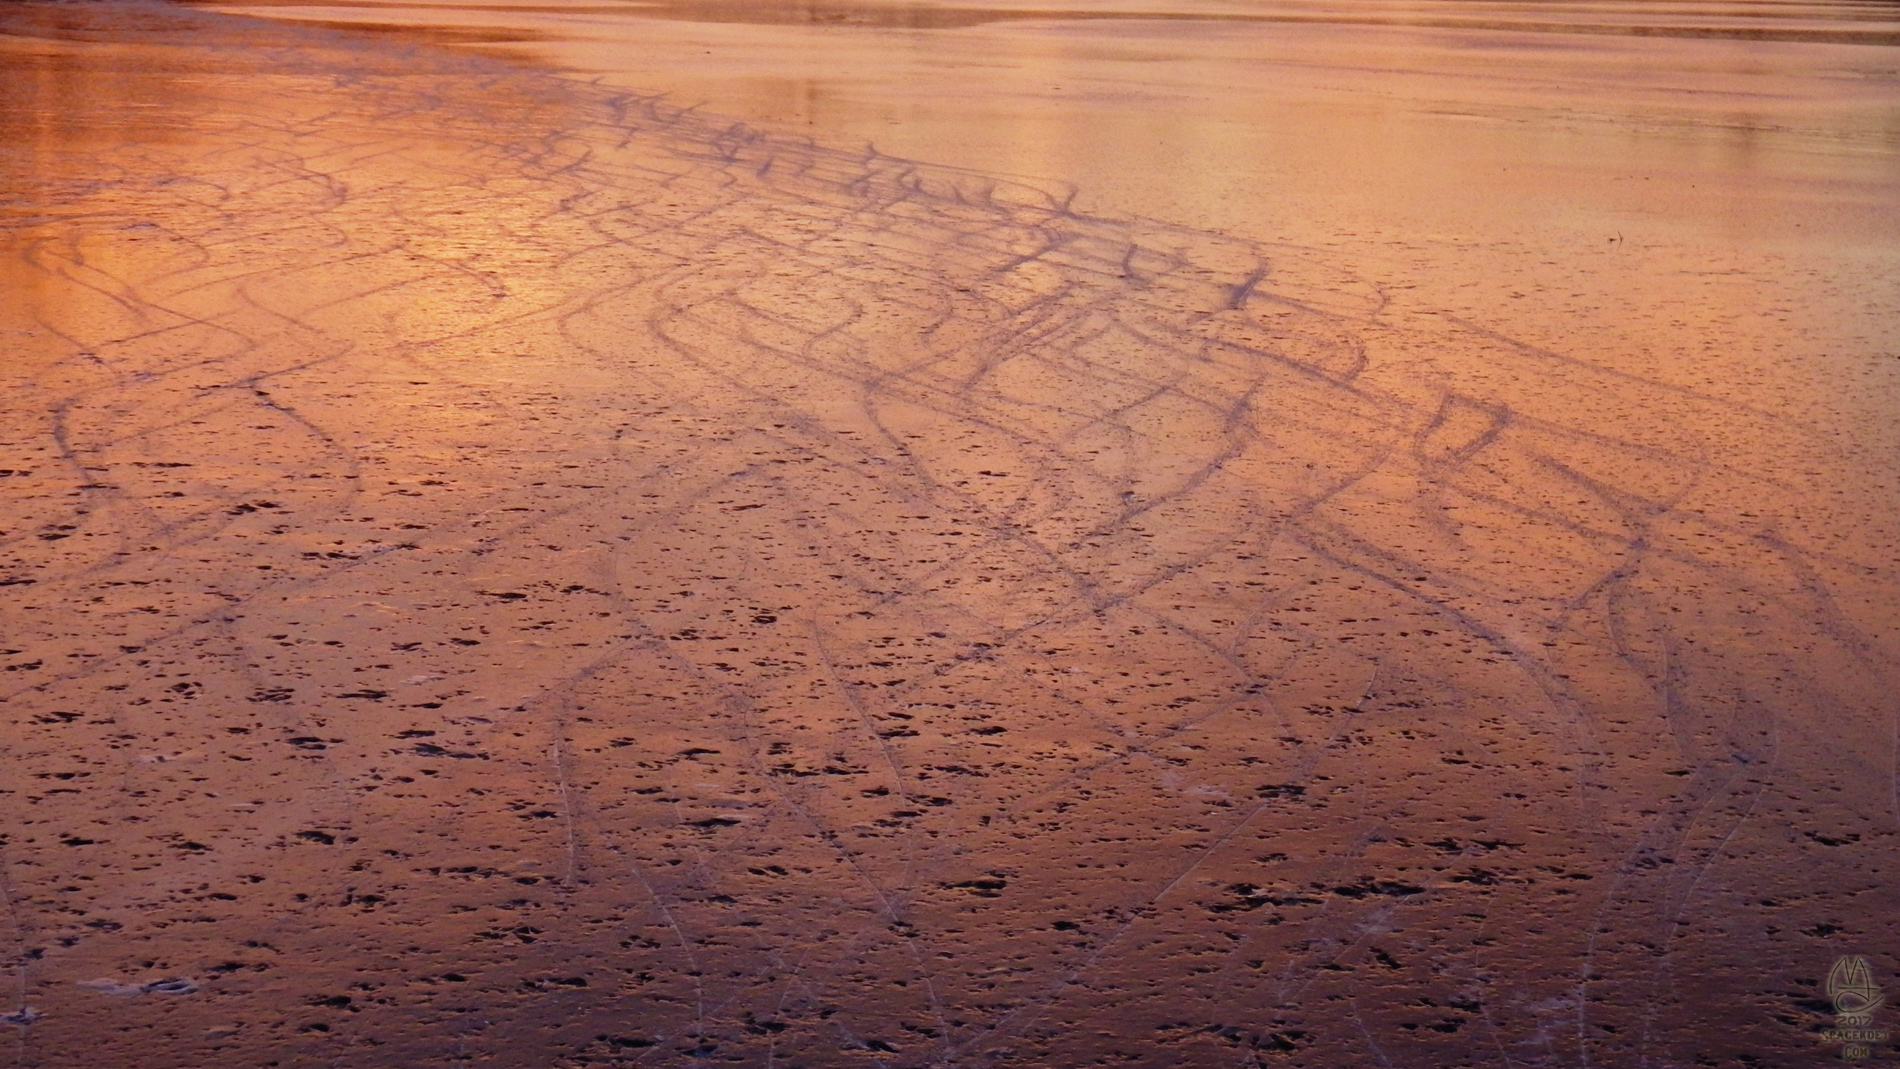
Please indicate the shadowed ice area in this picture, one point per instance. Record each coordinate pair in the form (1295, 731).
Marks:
(502, 571)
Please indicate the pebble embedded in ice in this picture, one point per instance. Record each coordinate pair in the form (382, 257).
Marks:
(171, 985)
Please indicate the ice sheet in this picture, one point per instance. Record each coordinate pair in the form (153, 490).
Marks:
(504, 572)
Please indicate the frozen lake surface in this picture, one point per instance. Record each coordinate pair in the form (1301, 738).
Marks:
(504, 567)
